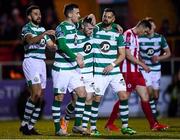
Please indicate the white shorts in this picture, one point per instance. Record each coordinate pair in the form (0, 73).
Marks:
(63, 80)
(116, 82)
(152, 79)
(35, 71)
(88, 81)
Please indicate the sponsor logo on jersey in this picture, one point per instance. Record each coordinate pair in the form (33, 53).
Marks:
(105, 46)
(42, 42)
(87, 47)
(150, 51)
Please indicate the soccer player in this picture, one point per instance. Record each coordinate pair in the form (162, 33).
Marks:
(151, 46)
(109, 52)
(133, 77)
(84, 47)
(35, 39)
(84, 41)
(66, 68)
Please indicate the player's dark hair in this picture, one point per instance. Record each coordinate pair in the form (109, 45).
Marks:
(69, 8)
(30, 8)
(87, 20)
(110, 10)
(145, 23)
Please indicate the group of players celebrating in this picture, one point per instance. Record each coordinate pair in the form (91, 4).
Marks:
(90, 57)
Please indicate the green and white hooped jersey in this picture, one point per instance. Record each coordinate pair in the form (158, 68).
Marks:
(69, 32)
(150, 46)
(106, 45)
(34, 50)
(85, 48)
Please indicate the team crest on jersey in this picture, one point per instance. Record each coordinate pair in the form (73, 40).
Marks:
(150, 51)
(97, 90)
(87, 47)
(129, 85)
(156, 44)
(105, 46)
(75, 39)
(113, 37)
(36, 79)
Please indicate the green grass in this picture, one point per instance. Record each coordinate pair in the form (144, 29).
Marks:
(10, 130)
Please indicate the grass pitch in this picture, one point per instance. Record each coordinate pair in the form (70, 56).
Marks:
(10, 130)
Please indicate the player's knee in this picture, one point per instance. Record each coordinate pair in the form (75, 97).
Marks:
(145, 97)
(97, 98)
(59, 97)
(123, 95)
(81, 92)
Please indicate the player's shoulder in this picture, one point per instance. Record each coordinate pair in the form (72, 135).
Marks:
(26, 26)
(99, 24)
(142, 36)
(128, 32)
(158, 35)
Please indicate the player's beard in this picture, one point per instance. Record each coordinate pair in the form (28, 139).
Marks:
(106, 24)
(36, 22)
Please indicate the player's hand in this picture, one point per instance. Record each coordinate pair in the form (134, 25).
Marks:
(80, 60)
(119, 29)
(107, 69)
(146, 68)
(92, 16)
(50, 32)
(155, 59)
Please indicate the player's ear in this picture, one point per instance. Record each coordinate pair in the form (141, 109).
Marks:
(114, 18)
(82, 26)
(29, 17)
(70, 15)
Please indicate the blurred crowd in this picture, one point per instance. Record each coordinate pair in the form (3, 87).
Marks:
(12, 17)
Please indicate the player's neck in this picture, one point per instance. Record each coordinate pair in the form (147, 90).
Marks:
(107, 27)
(33, 24)
(135, 30)
(151, 35)
(69, 20)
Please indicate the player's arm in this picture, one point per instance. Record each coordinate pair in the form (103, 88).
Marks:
(166, 54)
(121, 57)
(33, 40)
(117, 27)
(136, 61)
(61, 45)
(51, 45)
(93, 20)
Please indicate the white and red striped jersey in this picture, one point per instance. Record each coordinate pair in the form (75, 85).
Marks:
(132, 44)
